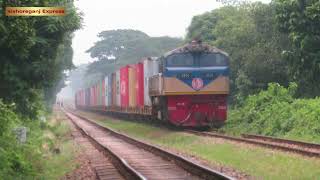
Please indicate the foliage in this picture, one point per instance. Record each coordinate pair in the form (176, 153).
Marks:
(301, 20)
(36, 158)
(34, 53)
(120, 47)
(249, 34)
(15, 158)
(276, 112)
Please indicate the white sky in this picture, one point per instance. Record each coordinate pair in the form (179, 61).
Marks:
(154, 17)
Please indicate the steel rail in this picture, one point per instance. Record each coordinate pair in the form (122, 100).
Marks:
(256, 142)
(191, 167)
(126, 170)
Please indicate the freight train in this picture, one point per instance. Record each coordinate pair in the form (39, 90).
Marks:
(187, 87)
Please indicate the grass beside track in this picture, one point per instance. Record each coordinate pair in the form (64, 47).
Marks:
(255, 161)
(59, 150)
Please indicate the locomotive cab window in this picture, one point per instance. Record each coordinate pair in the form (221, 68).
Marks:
(180, 60)
(212, 60)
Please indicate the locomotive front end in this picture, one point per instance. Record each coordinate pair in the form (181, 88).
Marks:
(192, 87)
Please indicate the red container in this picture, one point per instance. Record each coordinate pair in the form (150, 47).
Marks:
(124, 86)
(139, 85)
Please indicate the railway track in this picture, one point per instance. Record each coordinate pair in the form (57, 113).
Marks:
(139, 160)
(100, 164)
(303, 148)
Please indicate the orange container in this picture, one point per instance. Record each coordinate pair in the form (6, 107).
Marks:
(132, 86)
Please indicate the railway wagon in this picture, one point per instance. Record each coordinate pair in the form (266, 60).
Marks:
(187, 86)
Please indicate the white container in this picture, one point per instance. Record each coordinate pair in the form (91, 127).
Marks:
(118, 102)
(107, 82)
(150, 68)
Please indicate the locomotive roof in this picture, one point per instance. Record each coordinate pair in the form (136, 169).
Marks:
(195, 46)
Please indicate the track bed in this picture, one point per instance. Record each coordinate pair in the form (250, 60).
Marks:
(147, 163)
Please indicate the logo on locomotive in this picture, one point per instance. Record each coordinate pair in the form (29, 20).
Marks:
(197, 83)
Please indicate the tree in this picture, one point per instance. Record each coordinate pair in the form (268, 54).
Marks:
(34, 53)
(301, 20)
(120, 47)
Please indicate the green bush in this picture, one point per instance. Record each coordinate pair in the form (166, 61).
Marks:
(276, 112)
(18, 161)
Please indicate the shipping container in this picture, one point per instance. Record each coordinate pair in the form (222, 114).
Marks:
(151, 68)
(80, 99)
(97, 94)
(91, 96)
(83, 97)
(86, 99)
(103, 92)
(118, 96)
(139, 85)
(132, 85)
(108, 90)
(94, 95)
(113, 89)
(76, 99)
(124, 86)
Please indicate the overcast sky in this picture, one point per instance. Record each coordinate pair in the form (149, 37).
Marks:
(154, 17)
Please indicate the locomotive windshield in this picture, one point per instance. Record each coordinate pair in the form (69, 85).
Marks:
(196, 60)
(180, 60)
(210, 59)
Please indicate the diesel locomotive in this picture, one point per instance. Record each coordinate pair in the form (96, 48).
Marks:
(187, 86)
